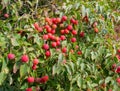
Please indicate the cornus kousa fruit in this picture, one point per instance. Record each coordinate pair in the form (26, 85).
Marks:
(47, 53)
(79, 52)
(82, 34)
(64, 50)
(62, 37)
(45, 37)
(34, 67)
(28, 89)
(64, 18)
(44, 79)
(73, 40)
(6, 15)
(54, 44)
(117, 69)
(36, 25)
(45, 46)
(118, 80)
(30, 79)
(35, 61)
(118, 50)
(69, 27)
(96, 30)
(74, 32)
(11, 56)
(24, 58)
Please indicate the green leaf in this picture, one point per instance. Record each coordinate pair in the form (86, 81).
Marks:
(2, 77)
(108, 79)
(79, 82)
(24, 70)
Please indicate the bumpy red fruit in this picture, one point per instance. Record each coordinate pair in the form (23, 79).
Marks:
(53, 44)
(62, 37)
(74, 32)
(44, 79)
(64, 50)
(45, 46)
(118, 50)
(30, 79)
(118, 80)
(64, 18)
(6, 15)
(73, 40)
(79, 52)
(47, 53)
(36, 26)
(34, 67)
(24, 58)
(35, 61)
(82, 34)
(118, 69)
(28, 89)
(11, 56)
(69, 27)
(45, 37)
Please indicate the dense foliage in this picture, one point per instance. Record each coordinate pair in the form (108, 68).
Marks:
(55, 45)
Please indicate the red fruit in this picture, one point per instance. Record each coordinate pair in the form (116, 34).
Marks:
(54, 26)
(82, 34)
(113, 66)
(54, 20)
(53, 31)
(79, 52)
(58, 43)
(72, 20)
(49, 30)
(53, 44)
(118, 50)
(35, 61)
(30, 79)
(34, 67)
(6, 15)
(36, 26)
(37, 80)
(76, 22)
(61, 25)
(64, 50)
(45, 46)
(62, 37)
(118, 57)
(62, 31)
(74, 32)
(57, 39)
(73, 40)
(45, 37)
(69, 27)
(72, 51)
(24, 58)
(118, 69)
(76, 46)
(66, 31)
(47, 53)
(118, 80)
(39, 29)
(28, 89)
(44, 79)
(96, 30)
(52, 37)
(64, 18)
(58, 20)
(110, 90)
(11, 56)
(47, 19)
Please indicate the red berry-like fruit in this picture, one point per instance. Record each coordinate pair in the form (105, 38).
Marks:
(58, 43)
(69, 27)
(73, 40)
(54, 26)
(74, 32)
(118, 80)
(47, 53)
(36, 26)
(28, 89)
(35, 61)
(82, 34)
(62, 31)
(113, 66)
(30, 79)
(34, 67)
(53, 44)
(64, 50)
(45, 37)
(39, 29)
(96, 30)
(62, 37)
(118, 50)
(6, 15)
(24, 58)
(11, 56)
(44, 79)
(72, 20)
(118, 69)
(45, 46)
(64, 18)
(79, 52)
